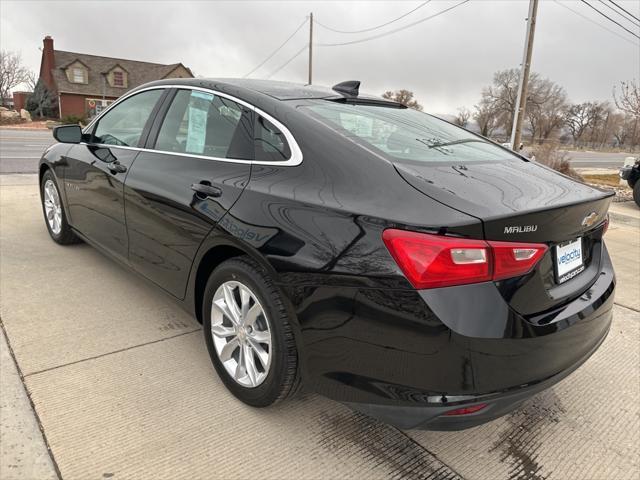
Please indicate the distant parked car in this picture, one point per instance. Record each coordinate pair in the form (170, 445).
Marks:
(387, 259)
(631, 173)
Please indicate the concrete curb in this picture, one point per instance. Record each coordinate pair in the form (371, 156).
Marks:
(627, 218)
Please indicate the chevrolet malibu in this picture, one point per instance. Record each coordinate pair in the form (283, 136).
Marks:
(382, 257)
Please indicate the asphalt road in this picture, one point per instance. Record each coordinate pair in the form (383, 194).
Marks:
(123, 388)
(20, 150)
(590, 159)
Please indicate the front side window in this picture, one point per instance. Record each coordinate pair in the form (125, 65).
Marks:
(270, 142)
(404, 134)
(202, 123)
(124, 123)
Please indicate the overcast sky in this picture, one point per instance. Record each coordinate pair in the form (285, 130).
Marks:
(445, 61)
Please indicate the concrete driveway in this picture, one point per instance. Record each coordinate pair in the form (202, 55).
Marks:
(123, 387)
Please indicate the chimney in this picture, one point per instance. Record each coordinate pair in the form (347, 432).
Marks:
(48, 63)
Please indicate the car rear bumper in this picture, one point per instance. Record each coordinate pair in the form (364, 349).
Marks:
(433, 417)
(409, 356)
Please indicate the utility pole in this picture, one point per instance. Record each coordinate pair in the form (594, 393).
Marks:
(521, 100)
(310, 48)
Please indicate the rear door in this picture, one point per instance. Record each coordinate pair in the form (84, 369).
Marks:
(196, 165)
(96, 170)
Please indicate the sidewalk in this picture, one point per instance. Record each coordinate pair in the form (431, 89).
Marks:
(23, 452)
(35, 125)
(625, 212)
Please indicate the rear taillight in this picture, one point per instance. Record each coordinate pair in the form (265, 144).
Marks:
(514, 259)
(432, 261)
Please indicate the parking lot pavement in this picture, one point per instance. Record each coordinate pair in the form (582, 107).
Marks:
(124, 388)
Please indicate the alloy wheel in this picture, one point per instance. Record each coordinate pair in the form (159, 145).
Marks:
(52, 207)
(241, 333)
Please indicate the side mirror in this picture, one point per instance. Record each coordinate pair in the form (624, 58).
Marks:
(68, 133)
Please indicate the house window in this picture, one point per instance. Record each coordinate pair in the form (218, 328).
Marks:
(93, 106)
(77, 75)
(118, 79)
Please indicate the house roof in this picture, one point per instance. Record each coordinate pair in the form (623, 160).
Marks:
(137, 73)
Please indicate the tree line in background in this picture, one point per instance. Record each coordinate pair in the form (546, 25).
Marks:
(551, 117)
(41, 103)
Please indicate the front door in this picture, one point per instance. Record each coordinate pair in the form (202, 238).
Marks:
(175, 194)
(95, 174)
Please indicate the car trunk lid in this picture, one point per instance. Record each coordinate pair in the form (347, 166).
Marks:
(522, 201)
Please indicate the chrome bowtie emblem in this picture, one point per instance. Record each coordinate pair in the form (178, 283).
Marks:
(589, 219)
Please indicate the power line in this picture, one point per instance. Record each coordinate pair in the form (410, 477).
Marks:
(377, 26)
(618, 13)
(380, 35)
(625, 11)
(610, 19)
(287, 62)
(277, 49)
(596, 23)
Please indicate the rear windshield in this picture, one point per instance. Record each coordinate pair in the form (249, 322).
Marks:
(407, 135)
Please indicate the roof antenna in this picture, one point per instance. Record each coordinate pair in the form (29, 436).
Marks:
(350, 88)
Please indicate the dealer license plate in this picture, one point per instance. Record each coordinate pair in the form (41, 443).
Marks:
(569, 261)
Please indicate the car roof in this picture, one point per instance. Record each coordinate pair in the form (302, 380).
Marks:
(249, 89)
(280, 90)
(274, 89)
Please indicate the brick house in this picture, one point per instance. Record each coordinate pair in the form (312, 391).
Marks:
(85, 84)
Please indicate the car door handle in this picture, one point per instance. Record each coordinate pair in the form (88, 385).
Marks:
(116, 167)
(203, 190)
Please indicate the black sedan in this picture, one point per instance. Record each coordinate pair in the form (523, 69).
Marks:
(380, 256)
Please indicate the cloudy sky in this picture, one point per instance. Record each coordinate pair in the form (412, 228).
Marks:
(445, 60)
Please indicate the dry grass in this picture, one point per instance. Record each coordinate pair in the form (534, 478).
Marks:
(610, 179)
(549, 155)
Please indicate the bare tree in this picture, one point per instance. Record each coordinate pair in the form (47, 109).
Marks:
(545, 115)
(31, 81)
(545, 101)
(463, 116)
(12, 72)
(486, 118)
(553, 114)
(619, 132)
(626, 131)
(578, 119)
(629, 102)
(629, 99)
(405, 97)
(600, 127)
(502, 94)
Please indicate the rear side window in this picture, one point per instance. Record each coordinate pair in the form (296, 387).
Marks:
(123, 124)
(404, 134)
(202, 123)
(270, 143)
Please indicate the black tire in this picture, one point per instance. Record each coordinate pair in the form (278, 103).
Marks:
(632, 183)
(282, 377)
(636, 193)
(65, 236)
